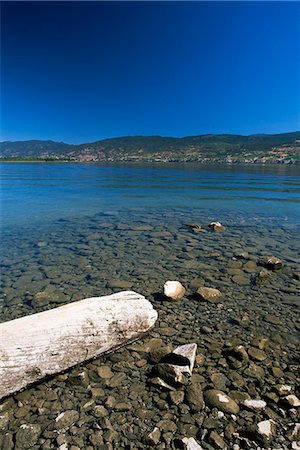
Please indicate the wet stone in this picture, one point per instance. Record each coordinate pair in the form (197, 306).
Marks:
(66, 419)
(257, 354)
(194, 397)
(27, 435)
(221, 401)
(208, 294)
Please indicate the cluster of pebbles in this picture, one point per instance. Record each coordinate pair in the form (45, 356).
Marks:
(218, 371)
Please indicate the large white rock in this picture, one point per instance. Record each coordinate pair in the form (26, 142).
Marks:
(49, 342)
(174, 290)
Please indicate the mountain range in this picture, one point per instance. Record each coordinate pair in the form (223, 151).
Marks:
(284, 147)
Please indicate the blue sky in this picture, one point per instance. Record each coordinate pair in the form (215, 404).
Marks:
(83, 71)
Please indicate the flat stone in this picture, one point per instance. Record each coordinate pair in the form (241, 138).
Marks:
(66, 419)
(255, 404)
(123, 406)
(221, 401)
(254, 371)
(257, 354)
(208, 294)
(120, 284)
(271, 318)
(105, 372)
(166, 425)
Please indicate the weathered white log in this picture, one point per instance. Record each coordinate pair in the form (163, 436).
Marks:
(49, 342)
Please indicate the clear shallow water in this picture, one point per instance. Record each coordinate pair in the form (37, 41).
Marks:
(37, 193)
(77, 231)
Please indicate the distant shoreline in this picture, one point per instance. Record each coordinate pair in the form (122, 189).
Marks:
(135, 162)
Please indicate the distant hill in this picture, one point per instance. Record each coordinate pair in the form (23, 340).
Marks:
(32, 148)
(207, 147)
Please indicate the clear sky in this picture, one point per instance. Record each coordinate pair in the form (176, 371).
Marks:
(83, 71)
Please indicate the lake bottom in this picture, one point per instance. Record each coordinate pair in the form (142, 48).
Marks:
(118, 406)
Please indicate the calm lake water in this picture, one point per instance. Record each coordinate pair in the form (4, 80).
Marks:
(38, 193)
(70, 231)
(74, 231)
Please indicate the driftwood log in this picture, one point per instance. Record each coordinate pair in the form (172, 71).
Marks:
(49, 342)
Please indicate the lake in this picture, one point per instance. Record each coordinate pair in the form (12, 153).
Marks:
(36, 193)
(73, 231)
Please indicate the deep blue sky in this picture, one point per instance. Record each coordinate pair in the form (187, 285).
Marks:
(82, 71)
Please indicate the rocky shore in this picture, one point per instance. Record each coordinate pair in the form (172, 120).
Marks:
(242, 391)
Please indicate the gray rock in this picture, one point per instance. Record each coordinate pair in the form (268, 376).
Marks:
(221, 401)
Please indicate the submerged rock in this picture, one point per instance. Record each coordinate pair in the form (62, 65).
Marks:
(216, 226)
(195, 228)
(221, 401)
(262, 276)
(255, 404)
(170, 373)
(208, 294)
(191, 444)
(28, 435)
(187, 351)
(153, 437)
(194, 397)
(174, 290)
(266, 430)
(272, 262)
